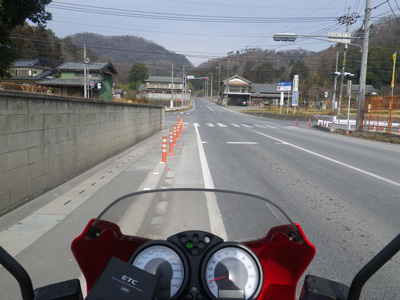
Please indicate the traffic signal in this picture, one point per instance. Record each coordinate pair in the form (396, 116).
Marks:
(336, 73)
(204, 78)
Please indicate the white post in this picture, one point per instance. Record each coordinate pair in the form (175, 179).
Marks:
(348, 107)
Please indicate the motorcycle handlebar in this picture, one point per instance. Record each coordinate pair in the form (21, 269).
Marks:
(19, 274)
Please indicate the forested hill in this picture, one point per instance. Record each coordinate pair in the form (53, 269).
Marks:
(126, 50)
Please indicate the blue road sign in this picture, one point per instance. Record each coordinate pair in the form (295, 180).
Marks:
(284, 86)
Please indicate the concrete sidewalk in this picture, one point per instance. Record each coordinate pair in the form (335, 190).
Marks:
(137, 168)
(44, 227)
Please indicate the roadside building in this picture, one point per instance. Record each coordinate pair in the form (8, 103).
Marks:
(164, 90)
(29, 71)
(265, 94)
(236, 90)
(118, 94)
(71, 82)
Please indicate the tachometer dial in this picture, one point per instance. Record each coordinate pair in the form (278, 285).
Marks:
(163, 261)
(233, 272)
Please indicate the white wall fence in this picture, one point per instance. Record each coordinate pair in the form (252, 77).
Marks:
(46, 140)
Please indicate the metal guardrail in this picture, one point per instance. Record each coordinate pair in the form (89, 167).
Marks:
(379, 126)
(325, 120)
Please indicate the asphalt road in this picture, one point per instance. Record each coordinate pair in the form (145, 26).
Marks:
(343, 191)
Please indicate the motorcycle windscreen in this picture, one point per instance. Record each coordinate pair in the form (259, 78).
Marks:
(130, 221)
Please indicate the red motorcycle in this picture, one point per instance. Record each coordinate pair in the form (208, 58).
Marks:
(195, 244)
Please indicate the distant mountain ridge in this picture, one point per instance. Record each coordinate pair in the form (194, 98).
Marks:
(124, 51)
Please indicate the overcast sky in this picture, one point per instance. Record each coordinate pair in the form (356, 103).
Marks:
(211, 28)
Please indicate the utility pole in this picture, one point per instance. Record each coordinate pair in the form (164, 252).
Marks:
(227, 85)
(335, 84)
(212, 78)
(342, 78)
(172, 85)
(84, 72)
(219, 82)
(348, 20)
(364, 61)
(184, 86)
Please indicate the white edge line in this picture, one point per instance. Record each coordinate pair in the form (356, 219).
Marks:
(332, 160)
(208, 182)
(216, 223)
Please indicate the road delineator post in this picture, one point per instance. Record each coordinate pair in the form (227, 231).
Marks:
(175, 137)
(178, 130)
(297, 122)
(171, 142)
(180, 127)
(164, 149)
(309, 122)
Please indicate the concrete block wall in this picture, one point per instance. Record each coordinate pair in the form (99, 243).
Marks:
(46, 140)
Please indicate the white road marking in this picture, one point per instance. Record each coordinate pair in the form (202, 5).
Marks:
(247, 126)
(332, 160)
(216, 223)
(236, 125)
(242, 143)
(208, 182)
(267, 126)
(210, 124)
(221, 125)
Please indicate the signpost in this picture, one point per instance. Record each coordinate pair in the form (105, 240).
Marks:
(282, 87)
(295, 94)
(295, 100)
(349, 82)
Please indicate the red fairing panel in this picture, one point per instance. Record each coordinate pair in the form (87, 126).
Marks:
(283, 261)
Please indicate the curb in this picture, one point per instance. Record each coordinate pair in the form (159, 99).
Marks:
(324, 128)
(155, 178)
(281, 117)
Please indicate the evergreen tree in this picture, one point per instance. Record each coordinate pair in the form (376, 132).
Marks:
(299, 68)
(137, 75)
(12, 14)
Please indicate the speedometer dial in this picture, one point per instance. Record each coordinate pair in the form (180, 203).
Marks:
(165, 262)
(233, 272)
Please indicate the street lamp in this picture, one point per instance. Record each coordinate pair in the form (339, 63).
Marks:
(343, 38)
(211, 89)
(285, 37)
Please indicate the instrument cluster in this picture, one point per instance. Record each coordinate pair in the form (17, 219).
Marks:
(199, 265)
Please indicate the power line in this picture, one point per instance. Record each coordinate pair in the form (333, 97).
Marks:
(178, 17)
(168, 32)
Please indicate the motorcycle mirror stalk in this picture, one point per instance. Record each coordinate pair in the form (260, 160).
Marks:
(65, 290)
